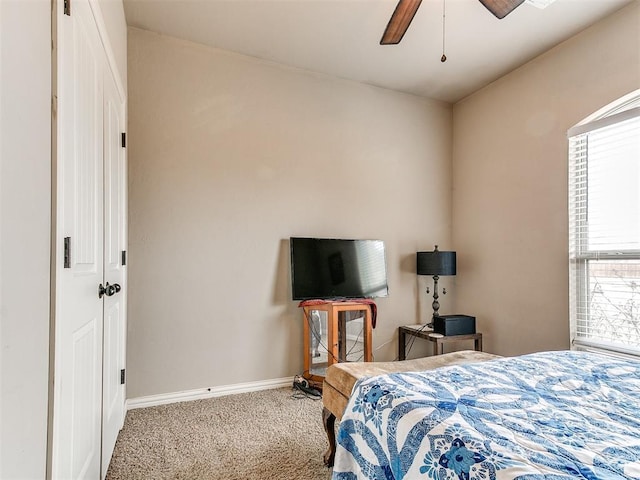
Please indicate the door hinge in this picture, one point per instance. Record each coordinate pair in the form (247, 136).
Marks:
(122, 376)
(124, 257)
(123, 138)
(67, 252)
(67, 7)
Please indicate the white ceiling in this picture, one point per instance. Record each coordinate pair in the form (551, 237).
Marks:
(341, 37)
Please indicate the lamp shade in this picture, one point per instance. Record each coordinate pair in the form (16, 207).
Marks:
(436, 263)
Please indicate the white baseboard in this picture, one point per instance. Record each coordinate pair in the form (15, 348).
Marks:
(201, 393)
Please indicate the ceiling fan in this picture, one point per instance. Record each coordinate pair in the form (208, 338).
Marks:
(406, 9)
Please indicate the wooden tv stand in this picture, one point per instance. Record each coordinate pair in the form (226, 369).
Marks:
(334, 341)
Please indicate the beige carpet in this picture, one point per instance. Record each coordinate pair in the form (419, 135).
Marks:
(259, 435)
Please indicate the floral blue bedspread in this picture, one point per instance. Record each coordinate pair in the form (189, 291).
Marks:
(548, 415)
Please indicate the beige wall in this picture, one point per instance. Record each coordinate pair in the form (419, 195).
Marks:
(510, 182)
(25, 203)
(115, 27)
(230, 156)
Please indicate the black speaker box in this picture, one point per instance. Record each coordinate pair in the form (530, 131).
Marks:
(454, 324)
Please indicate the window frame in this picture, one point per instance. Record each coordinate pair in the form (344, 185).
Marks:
(580, 254)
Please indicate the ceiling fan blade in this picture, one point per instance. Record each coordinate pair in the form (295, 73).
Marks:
(400, 21)
(501, 8)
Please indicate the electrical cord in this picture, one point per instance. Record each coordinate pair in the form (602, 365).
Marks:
(299, 395)
(303, 389)
(318, 335)
(413, 339)
(373, 355)
(353, 346)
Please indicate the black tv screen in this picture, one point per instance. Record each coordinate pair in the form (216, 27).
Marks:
(324, 268)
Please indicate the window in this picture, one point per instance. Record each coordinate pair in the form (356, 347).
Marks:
(604, 229)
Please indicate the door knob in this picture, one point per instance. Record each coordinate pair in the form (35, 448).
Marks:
(108, 290)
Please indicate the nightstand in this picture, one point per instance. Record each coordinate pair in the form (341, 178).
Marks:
(424, 332)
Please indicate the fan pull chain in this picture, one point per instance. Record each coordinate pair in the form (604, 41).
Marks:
(444, 57)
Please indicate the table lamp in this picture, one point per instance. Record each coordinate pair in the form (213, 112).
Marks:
(436, 263)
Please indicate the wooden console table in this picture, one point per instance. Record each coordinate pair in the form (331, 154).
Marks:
(420, 331)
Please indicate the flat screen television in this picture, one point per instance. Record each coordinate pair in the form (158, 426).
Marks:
(327, 268)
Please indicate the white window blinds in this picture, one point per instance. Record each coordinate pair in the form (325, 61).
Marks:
(604, 232)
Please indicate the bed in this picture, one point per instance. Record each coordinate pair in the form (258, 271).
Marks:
(548, 415)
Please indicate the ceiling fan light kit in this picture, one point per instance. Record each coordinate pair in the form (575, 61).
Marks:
(540, 3)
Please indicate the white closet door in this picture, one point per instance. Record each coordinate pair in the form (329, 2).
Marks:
(114, 271)
(77, 419)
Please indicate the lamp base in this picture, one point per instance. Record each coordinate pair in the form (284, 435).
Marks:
(435, 304)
